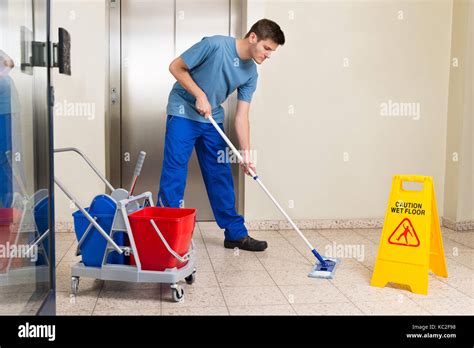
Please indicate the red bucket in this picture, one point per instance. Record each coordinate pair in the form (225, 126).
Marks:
(9, 225)
(175, 224)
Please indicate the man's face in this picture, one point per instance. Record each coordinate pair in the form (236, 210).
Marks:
(261, 50)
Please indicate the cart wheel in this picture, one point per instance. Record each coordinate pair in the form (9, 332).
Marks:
(74, 285)
(177, 293)
(191, 278)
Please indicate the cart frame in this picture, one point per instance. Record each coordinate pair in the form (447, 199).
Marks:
(129, 273)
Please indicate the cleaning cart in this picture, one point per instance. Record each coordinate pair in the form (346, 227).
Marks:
(123, 237)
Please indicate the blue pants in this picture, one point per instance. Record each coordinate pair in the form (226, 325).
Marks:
(6, 175)
(182, 135)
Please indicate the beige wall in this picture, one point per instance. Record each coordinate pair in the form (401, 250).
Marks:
(79, 119)
(460, 141)
(335, 155)
(316, 123)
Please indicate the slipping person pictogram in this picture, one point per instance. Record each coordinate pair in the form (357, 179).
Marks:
(404, 235)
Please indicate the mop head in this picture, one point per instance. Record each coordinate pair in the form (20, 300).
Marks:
(326, 271)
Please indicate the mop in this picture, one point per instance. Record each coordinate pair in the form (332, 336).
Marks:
(325, 267)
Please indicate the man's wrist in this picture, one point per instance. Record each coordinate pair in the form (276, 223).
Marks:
(200, 95)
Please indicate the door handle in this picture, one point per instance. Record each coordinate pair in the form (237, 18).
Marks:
(62, 52)
(34, 53)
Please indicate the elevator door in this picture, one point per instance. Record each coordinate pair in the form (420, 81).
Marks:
(153, 33)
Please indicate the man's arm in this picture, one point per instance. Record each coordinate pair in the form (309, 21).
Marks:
(242, 128)
(181, 72)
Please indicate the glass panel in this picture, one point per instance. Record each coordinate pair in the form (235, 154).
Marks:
(25, 264)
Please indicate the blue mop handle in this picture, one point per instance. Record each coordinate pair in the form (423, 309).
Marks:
(319, 257)
(257, 179)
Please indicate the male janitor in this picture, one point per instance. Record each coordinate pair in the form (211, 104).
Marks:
(206, 74)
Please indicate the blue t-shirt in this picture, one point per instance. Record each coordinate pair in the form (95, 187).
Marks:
(5, 95)
(217, 69)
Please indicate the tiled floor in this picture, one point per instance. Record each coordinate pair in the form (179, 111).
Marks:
(274, 282)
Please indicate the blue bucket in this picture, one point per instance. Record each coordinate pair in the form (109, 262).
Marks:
(93, 247)
(41, 218)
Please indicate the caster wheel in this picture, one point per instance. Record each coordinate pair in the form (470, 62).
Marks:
(191, 278)
(74, 285)
(177, 293)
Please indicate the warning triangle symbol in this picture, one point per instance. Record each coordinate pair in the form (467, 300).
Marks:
(404, 235)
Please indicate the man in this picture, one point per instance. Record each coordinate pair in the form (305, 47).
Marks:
(9, 135)
(206, 75)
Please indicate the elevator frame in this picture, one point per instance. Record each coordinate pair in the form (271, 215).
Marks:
(113, 111)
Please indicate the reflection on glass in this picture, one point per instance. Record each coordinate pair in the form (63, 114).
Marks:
(24, 201)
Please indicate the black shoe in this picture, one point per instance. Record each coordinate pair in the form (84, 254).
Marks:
(246, 243)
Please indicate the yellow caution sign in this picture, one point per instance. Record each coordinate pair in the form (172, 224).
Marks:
(411, 242)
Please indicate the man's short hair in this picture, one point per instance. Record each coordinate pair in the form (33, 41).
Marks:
(267, 29)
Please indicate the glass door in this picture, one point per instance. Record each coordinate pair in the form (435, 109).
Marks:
(26, 245)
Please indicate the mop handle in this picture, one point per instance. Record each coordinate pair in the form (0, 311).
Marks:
(232, 147)
(257, 179)
(138, 169)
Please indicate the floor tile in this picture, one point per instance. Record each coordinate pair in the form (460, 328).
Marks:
(351, 273)
(222, 310)
(465, 286)
(448, 306)
(15, 289)
(208, 226)
(405, 307)
(465, 238)
(214, 241)
(437, 289)
(372, 234)
(253, 296)
(286, 253)
(278, 243)
(194, 297)
(338, 308)
(203, 263)
(275, 263)
(457, 270)
(296, 276)
(204, 279)
(82, 304)
(365, 292)
(244, 278)
(463, 256)
(275, 282)
(216, 252)
(321, 291)
(265, 234)
(14, 303)
(63, 283)
(237, 264)
(130, 302)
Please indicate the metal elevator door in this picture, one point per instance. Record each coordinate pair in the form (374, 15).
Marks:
(152, 34)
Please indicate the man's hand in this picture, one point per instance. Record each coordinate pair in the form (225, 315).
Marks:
(247, 163)
(245, 167)
(180, 71)
(203, 106)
